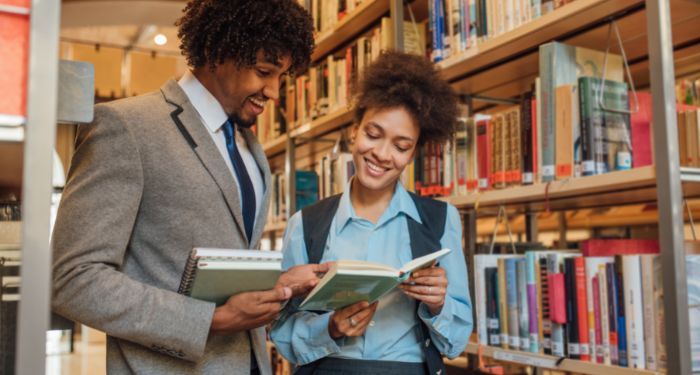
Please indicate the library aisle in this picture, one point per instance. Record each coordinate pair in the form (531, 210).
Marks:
(87, 359)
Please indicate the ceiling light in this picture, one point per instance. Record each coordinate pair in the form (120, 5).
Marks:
(160, 39)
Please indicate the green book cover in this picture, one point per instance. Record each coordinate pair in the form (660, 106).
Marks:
(214, 275)
(349, 282)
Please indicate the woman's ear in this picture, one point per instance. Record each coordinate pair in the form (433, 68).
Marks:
(353, 132)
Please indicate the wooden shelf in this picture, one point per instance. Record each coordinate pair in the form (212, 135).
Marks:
(551, 26)
(353, 23)
(275, 146)
(275, 227)
(322, 125)
(506, 66)
(610, 189)
(550, 362)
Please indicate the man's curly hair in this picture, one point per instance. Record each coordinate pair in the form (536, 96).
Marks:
(214, 31)
(408, 81)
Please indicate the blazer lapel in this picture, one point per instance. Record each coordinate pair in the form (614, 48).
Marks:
(188, 122)
(261, 159)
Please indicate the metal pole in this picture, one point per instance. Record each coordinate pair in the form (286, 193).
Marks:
(396, 9)
(469, 235)
(669, 192)
(563, 228)
(33, 320)
(290, 171)
(531, 232)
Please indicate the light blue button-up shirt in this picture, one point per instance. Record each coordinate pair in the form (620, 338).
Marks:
(303, 336)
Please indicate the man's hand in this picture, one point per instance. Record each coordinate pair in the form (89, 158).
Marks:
(351, 321)
(300, 279)
(428, 285)
(249, 310)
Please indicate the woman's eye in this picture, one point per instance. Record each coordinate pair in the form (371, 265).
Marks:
(372, 136)
(263, 72)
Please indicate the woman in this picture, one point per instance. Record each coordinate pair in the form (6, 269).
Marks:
(402, 103)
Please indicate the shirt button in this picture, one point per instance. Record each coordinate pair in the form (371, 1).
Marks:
(427, 343)
(371, 323)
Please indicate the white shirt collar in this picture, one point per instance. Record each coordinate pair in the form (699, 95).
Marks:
(209, 109)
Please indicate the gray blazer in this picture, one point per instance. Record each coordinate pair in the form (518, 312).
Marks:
(146, 185)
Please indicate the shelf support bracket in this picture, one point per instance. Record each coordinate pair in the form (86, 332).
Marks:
(669, 193)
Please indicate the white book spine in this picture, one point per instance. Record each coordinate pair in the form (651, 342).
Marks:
(604, 320)
(634, 317)
(592, 264)
(649, 311)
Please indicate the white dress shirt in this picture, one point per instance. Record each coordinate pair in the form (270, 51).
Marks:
(213, 117)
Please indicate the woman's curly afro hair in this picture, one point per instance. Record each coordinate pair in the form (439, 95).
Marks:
(403, 80)
(214, 31)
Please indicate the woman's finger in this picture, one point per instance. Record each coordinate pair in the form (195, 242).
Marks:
(429, 281)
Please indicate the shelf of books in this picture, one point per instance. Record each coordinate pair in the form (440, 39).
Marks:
(527, 33)
(276, 145)
(615, 188)
(343, 23)
(551, 362)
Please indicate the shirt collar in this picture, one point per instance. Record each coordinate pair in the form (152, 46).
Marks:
(209, 109)
(401, 202)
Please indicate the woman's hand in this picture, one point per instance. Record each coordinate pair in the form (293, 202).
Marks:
(352, 320)
(428, 285)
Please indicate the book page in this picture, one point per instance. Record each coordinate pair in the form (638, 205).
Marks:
(349, 265)
(236, 254)
(423, 261)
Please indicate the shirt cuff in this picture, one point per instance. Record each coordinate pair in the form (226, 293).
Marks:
(319, 343)
(438, 324)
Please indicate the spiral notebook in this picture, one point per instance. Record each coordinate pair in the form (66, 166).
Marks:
(214, 275)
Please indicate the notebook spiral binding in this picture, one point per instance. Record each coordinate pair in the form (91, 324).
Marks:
(188, 275)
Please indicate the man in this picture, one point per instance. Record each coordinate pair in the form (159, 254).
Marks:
(159, 174)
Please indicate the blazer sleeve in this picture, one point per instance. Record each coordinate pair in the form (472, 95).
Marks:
(98, 210)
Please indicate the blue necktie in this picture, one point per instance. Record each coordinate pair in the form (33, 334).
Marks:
(244, 183)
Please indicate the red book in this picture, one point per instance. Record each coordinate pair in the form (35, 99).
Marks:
(603, 248)
(598, 326)
(533, 113)
(640, 126)
(557, 298)
(582, 307)
(483, 147)
(14, 49)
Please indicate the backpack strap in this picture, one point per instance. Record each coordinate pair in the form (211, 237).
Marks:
(425, 239)
(316, 220)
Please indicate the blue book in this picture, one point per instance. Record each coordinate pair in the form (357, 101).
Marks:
(512, 302)
(621, 327)
(306, 188)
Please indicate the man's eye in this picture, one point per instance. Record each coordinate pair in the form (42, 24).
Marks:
(263, 72)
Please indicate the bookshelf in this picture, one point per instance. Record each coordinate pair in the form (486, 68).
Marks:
(26, 151)
(503, 67)
(614, 188)
(360, 18)
(552, 362)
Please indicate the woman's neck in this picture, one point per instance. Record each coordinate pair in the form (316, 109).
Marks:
(370, 204)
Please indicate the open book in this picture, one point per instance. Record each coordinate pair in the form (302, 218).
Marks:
(351, 281)
(214, 275)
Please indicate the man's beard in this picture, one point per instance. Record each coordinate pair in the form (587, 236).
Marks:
(240, 122)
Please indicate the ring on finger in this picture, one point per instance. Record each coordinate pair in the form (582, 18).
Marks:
(353, 323)
(430, 290)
